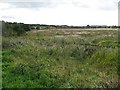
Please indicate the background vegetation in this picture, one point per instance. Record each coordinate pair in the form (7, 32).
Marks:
(69, 58)
(12, 29)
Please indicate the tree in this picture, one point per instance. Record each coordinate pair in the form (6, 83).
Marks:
(88, 26)
(37, 27)
(9, 29)
(26, 27)
(18, 28)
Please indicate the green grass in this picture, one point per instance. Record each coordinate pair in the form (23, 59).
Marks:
(53, 58)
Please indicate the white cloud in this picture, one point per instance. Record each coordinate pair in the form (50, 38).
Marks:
(4, 6)
(70, 12)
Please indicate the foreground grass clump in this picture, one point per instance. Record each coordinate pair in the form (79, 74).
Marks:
(61, 58)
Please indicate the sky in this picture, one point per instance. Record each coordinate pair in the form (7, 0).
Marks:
(60, 12)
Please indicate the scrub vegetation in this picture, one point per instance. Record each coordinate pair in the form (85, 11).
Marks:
(61, 58)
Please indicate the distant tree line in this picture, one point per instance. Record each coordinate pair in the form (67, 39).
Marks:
(38, 26)
(10, 29)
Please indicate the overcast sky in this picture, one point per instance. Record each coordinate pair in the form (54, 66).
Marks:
(60, 12)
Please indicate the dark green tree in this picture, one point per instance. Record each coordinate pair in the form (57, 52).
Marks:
(18, 28)
(37, 27)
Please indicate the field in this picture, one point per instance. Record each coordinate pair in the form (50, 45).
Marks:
(62, 58)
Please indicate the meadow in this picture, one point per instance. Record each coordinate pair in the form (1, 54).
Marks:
(61, 58)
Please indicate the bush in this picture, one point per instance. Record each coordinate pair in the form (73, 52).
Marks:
(10, 29)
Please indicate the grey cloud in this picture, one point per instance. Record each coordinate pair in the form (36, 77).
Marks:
(46, 4)
(109, 5)
(29, 4)
(107, 8)
(104, 5)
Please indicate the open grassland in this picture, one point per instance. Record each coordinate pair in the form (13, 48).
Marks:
(61, 58)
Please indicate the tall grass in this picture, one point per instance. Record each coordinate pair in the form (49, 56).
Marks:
(49, 59)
